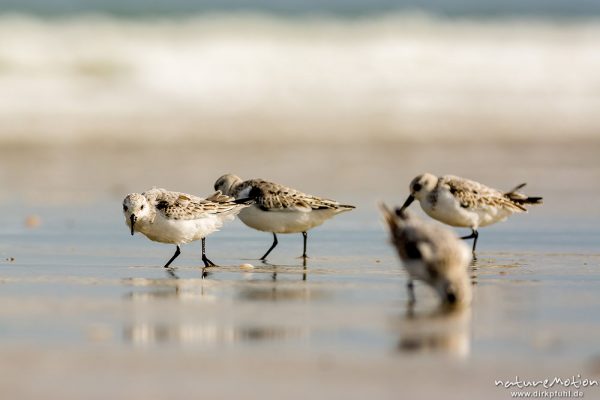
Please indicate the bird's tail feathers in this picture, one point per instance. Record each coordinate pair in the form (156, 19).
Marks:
(345, 207)
(521, 199)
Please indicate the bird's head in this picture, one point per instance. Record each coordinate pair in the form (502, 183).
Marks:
(454, 292)
(422, 185)
(419, 188)
(227, 183)
(135, 207)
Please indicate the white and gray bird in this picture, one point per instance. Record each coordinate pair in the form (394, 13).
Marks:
(179, 218)
(279, 209)
(432, 254)
(465, 203)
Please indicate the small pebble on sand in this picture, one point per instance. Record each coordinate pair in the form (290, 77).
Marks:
(246, 266)
(33, 221)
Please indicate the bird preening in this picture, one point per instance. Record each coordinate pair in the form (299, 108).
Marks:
(278, 208)
(432, 254)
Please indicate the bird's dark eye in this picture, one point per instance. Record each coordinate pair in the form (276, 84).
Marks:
(142, 207)
(451, 297)
(124, 208)
(417, 187)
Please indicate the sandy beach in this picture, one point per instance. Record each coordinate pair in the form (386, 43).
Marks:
(87, 311)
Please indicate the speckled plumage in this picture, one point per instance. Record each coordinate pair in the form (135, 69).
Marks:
(177, 218)
(462, 202)
(175, 205)
(278, 208)
(474, 195)
(432, 254)
(272, 196)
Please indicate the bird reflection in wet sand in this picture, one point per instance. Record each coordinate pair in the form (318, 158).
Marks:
(181, 289)
(280, 291)
(275, 266)
(432, 254)
(205, 332)
(444, 331)
(278, 208)
(171, 273)
(202, 333)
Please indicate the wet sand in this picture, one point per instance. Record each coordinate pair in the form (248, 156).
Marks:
(86, 311)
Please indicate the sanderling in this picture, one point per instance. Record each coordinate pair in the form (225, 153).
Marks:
(464, 203)
(178, 218)
(279, 209)
(432, 254)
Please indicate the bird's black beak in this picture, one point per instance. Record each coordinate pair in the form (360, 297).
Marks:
(407, 203)
(132, 218)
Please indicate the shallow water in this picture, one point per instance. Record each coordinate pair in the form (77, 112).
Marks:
(65, 284)
(82, 298)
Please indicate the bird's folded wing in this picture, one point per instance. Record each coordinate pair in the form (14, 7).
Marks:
(174, 205)
(274, 197)
(473, 194)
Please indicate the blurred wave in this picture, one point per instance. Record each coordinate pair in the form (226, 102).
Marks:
(259, 77)
(488, 8)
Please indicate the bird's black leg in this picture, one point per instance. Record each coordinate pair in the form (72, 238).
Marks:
(207, 262)
(304, 269)
(177, 252)
(410, 286)
(305, 236)
(263, 258)
(474, 235)
(475, 240)
(171, 273)
(471, 236)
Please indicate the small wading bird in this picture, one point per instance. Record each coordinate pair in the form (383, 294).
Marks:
(279, 209)
(464, 203)
(178, 218)
(432, 254)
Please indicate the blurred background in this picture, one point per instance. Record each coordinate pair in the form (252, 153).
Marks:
(104, 96)
(278, 71)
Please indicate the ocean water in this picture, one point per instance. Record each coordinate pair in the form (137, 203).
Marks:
(555, 8)
(248, 77)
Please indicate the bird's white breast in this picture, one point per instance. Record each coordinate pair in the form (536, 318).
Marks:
(447, 209)
(180, 231)
(284, 221)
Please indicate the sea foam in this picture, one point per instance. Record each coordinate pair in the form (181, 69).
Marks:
(253, 77)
